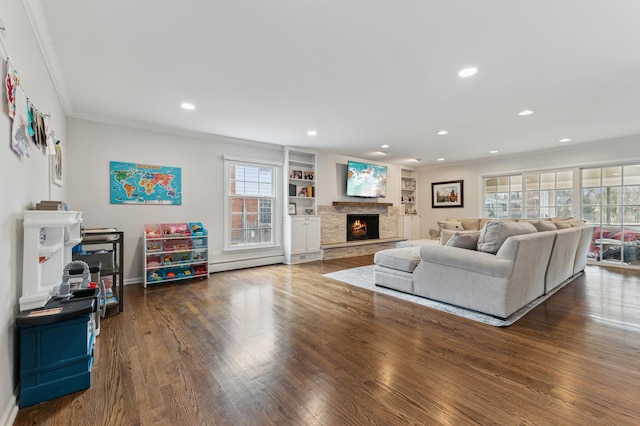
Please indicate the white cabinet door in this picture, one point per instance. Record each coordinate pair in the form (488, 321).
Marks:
(313, 234)
(298, 235)
(305, 234)
(412, 227)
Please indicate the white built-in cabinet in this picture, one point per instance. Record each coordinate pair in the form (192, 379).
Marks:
(49, 237)
(304, 239)
(408, 202)
(408, 192)
(411, 226)
(301, 220)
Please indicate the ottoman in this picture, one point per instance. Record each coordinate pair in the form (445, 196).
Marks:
(394, 268)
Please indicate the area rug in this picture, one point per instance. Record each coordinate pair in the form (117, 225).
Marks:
(363, 277)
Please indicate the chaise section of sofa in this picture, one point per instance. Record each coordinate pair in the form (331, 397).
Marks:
(519, 264)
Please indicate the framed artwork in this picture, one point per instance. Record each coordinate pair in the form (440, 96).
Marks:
(133, 183)
(292, 208)
(56, 165)
(447, 194)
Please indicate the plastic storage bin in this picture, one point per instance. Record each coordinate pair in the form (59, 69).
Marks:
(177, 245)
(55, 360)
(175, 229)
(197, 228)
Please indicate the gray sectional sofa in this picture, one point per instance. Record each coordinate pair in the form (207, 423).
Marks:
(510, 265)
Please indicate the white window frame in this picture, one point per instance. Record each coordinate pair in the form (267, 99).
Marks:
(276, 203)
(576, 191)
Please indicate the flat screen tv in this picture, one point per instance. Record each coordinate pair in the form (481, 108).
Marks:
(366, 180)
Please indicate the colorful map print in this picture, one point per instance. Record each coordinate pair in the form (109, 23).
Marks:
(144, 184)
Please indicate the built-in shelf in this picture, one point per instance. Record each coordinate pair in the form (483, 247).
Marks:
(361, 204)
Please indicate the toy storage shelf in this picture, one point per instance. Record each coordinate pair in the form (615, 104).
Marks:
(175, 252)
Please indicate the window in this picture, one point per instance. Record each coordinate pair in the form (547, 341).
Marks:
(250, 204)
(543, 195)
(503, 196)
(611, 201)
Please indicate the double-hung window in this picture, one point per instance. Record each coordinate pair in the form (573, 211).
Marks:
(250, 204)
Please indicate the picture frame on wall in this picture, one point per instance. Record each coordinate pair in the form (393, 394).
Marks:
(447, 194)
(56, 165)
(292, 208)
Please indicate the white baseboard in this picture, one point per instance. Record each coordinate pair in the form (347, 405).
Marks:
(10, 412)
(248, 263)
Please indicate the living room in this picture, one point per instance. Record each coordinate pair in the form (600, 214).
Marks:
(89, 145)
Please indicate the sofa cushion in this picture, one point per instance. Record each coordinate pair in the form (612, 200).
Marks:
(468, 224)
(445, 236)
(495, 232)
(562, 224)
(465, 240)
(450, 224)
(413, 243)
(543, 225)
(402, 259)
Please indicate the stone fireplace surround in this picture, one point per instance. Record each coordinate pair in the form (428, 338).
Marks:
(333, 222)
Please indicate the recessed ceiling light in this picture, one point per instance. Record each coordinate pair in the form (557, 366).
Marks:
(440, 159)
(493, 151)
(312, 132)
(187, 105)
(385, 146)
(565, 140)
(525, 112)
(383, 153)
(467, 72)
(416, 160)
(442, 132)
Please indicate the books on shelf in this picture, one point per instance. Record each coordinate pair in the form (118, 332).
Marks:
(51, 205)
(306, 191)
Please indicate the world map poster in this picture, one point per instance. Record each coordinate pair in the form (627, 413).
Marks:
(144, 184)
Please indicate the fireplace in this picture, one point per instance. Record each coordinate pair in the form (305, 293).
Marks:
(363, 227)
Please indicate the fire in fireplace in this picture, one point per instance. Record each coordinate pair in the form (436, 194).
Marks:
(363, 227)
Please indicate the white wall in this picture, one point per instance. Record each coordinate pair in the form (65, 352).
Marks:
(606, 152)
(92, 147)
(24, 182)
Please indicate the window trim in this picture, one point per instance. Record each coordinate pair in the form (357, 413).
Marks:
(576, 205)
(276, 204)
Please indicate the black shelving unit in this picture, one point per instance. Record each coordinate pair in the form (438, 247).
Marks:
(114, 238)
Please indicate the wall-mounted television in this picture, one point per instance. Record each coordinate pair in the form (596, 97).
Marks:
(366, 180)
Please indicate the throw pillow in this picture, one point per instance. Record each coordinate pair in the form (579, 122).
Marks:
(562, 224)
(465, 240)
(561, 218)
(495, 233)
(470, 224)
(577, 222)
(446, 234)
(450, 225)
(544, 225)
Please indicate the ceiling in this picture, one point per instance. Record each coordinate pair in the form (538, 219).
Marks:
(362, 73)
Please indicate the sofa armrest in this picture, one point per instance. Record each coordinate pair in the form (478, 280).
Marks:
(469, 260)
(434, 233)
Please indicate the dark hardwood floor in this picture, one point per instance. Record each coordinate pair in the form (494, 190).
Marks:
(284, 345)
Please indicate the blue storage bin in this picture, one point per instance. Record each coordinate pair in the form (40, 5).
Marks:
(197, 228)
(55, 360)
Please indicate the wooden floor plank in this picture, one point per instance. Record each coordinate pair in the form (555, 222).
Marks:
(282, 344)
